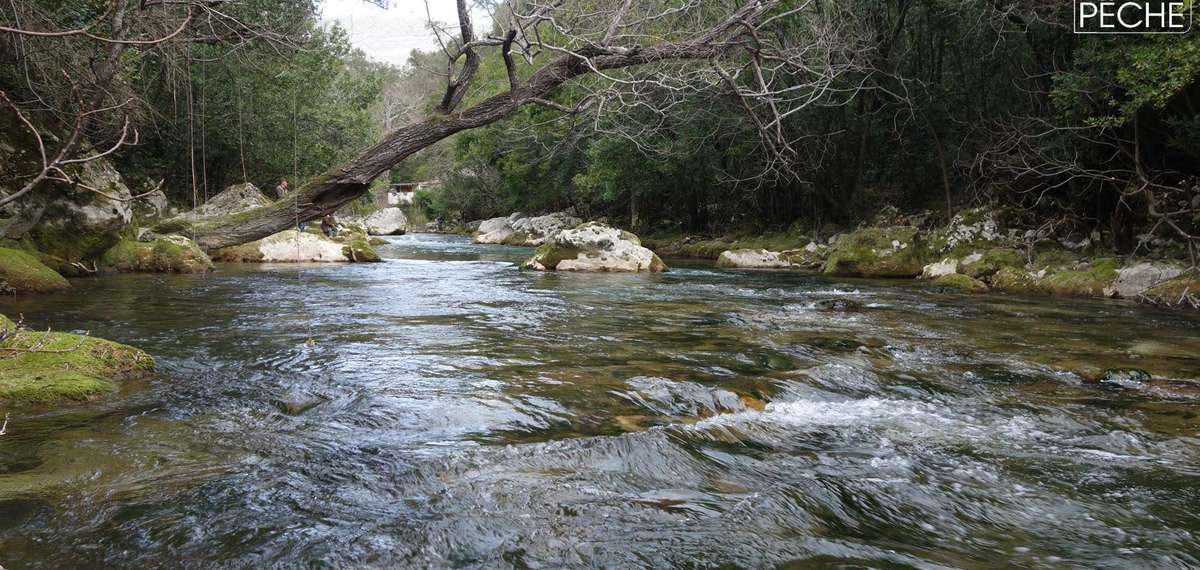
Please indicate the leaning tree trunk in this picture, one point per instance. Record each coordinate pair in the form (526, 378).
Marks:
(333, 189)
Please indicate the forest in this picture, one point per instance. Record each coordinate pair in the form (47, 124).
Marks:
(814, 120)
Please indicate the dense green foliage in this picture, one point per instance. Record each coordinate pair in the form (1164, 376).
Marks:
(290, 98)
(958, 102)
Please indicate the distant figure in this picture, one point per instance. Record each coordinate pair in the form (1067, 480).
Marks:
(329, 226)
(283, 189)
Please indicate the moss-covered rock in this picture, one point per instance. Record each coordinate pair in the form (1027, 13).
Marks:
(594, 247)
(1089, 282)
(1015, 280)
(48, 366)
(168, 254)
(981, 265)
(960, 282)
(358, 249)
(878, 252)
(21, 272)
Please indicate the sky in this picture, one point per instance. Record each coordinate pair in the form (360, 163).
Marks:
(388, 35)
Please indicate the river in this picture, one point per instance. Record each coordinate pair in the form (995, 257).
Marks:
(444, 409)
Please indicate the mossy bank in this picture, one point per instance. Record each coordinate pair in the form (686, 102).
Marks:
(52, 367)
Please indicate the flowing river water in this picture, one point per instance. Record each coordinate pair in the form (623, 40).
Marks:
(453, 411)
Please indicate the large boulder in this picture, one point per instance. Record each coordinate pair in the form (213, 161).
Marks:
(294, 246)
(232, 200)
(877, 252)
(496, 230)
(594, 247)
(165, 254)
(753, 259)
(522, 230)
(1136, 279)
(534, 231)
(386, 222)
(21, 272)
(46, 367)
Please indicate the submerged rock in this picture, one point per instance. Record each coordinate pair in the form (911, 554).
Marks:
(753, 259)
(839, 304)
(877, 252)
(47, 367)
(166, 254)
(293, 246)
(21, 272)
(594, 247)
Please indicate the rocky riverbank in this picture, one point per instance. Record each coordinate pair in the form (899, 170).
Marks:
(975, 252)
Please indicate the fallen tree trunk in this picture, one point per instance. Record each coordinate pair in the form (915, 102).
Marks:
(338, 187)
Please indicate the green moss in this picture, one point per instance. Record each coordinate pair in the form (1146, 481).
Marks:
(23, 273)
(960, 282)
(992, 261)
(358, 249)
(71, 244)
(1089, 282)
(160, 256)
(64, 366)
(1052, 257)
(878, 252)
(549, 255)
(516, 238)
(1015, 280)
(244, 253)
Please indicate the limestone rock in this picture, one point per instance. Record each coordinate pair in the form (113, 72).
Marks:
(594, 247)
(947, 266)
(494, 230)
(753, 259)
(536, 230)
(293, 246)
(384, 222)
(1136, 279)
(232, 200)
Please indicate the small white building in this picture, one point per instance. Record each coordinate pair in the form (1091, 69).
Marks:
(401, 193)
